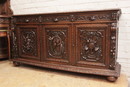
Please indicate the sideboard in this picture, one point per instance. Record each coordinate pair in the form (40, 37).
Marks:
(82, 42)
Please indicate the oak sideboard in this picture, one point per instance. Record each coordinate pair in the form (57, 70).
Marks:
(82, 42)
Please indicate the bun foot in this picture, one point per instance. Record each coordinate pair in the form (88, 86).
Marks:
(111, 78)
(16, 63)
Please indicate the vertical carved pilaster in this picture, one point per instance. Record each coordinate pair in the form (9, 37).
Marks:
(13, 41)
(115, 15)
(113, 41)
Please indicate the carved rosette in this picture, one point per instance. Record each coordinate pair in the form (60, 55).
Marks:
(28, 42)
(91, 42)
(113, 41)
(56, 41)
(115, 15)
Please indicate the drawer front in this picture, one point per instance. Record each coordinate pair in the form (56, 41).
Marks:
(29, 43)
(26, 19)
(91, 45)
(87, 17)
(82, 17)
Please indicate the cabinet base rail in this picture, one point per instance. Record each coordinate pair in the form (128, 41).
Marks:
(112, 75)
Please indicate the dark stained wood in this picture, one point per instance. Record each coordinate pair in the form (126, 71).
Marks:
(4, 34)
(5, 8)
(2, 1)
(83, 42)
(5, 15)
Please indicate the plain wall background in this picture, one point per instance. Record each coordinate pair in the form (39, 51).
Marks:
(54, 6)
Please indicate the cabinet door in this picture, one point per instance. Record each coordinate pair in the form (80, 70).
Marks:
(29, 43)
(56, 43)
(92, 45)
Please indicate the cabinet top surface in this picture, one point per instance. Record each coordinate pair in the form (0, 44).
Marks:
(74, 12)
(67, 17)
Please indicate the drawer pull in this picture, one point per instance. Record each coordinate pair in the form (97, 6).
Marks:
(92, 18)
(56, 20)
(26, 20)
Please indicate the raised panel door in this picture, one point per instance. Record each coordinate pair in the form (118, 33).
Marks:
(29, 43)
(91, 45)
(57, 44)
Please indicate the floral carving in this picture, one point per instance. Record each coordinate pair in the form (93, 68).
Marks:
(91, 42)
(28, 40)
(113, 46)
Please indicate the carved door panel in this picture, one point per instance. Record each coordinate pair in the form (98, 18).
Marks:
(56, 43)
(29, 43)
(91, 45)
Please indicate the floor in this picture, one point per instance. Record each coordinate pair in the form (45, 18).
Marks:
(30, 76)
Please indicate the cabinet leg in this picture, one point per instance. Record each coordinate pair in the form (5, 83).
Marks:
(16, 63)
(111, 78)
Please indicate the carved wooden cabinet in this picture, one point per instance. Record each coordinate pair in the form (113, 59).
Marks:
(83, 42)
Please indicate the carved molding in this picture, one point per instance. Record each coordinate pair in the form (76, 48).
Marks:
(113, 40)
(71, 17)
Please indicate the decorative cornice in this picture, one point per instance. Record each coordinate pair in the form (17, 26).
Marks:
(70, 17)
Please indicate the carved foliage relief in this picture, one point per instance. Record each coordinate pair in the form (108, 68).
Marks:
(91, 45)
(73, 17)
(28, 41)
(56, 42)
(113, 40)
(14, 46)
